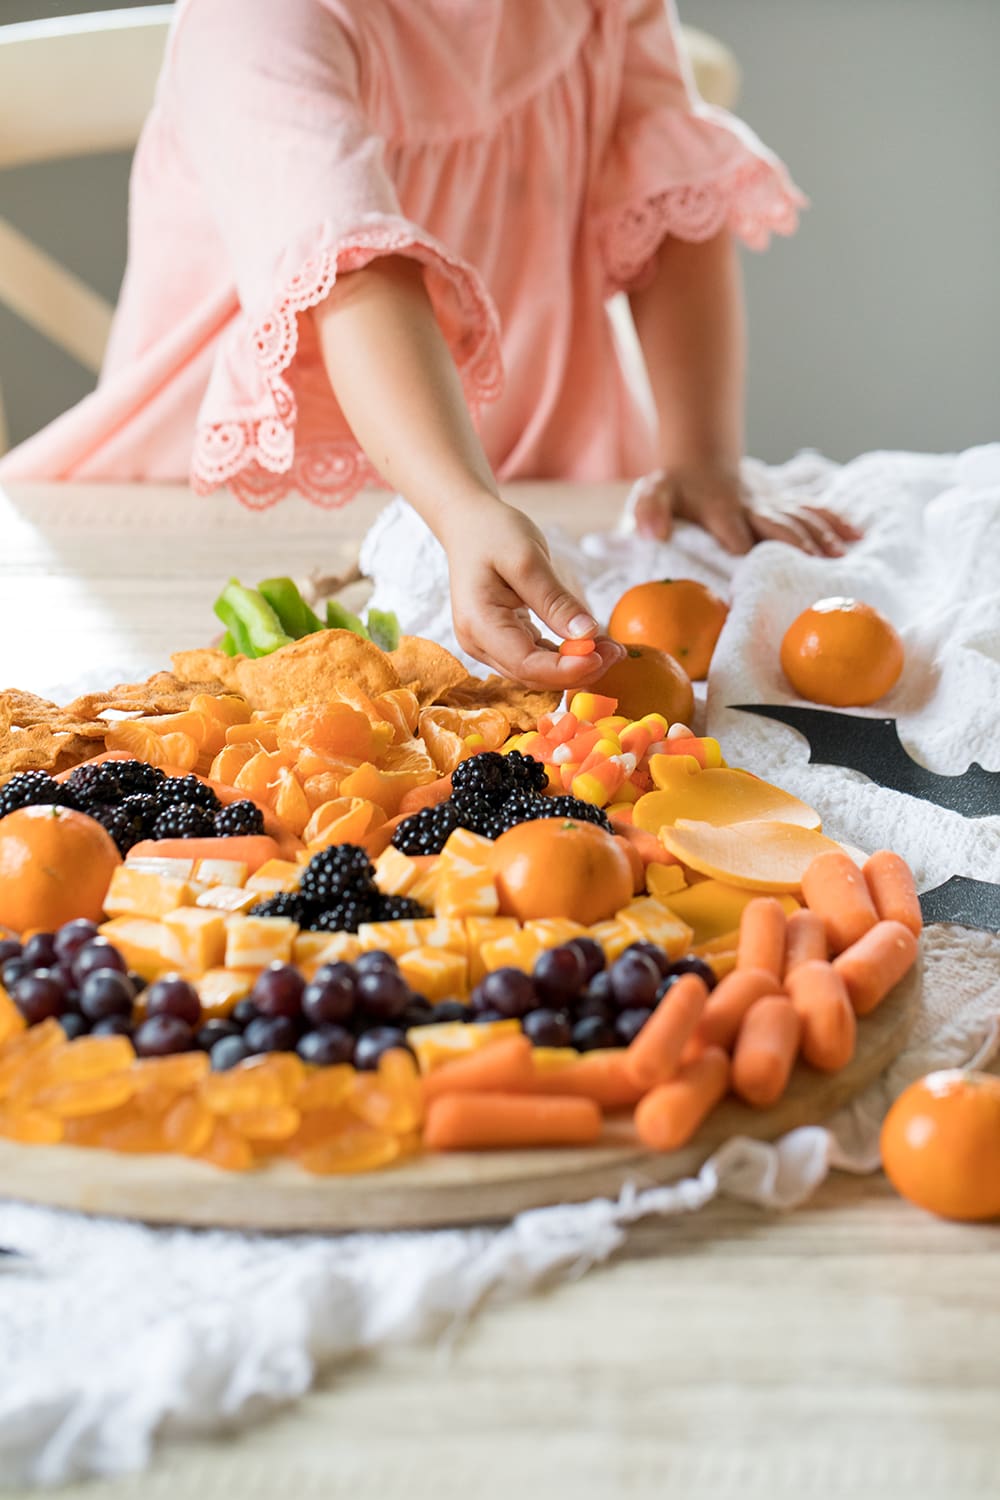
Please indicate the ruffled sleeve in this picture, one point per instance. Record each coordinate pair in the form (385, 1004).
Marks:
(675, 165)
(295, 180)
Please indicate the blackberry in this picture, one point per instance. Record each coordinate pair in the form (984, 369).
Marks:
(109, 782)
(483, 777)
(583, 812)
(346, 915)
(183, 820)
(524, 807)
(239, 818)
(427, 830)
(133, 777)
(144, 808)
(33, 789)
(188, 789)
(124, 827)
(527, 774)
(286, 904)
(336, 872)
(399, 909)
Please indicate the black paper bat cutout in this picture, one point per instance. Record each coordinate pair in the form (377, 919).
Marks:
(970, 903)
(872, 747)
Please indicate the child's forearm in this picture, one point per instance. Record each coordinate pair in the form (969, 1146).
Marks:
(690, 322)
(397, 385)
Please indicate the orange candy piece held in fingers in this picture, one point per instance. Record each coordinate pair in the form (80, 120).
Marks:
(586, 647)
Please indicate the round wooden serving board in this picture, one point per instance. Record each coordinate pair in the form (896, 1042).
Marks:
(453, 1188)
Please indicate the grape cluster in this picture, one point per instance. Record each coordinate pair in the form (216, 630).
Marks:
(572, 999)
(491, 793)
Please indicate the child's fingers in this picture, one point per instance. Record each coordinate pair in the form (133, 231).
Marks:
(829, 543)
(514, 650)
(650, 503)
(771, 526)
(728, 523)
(839, 524)
(533, 578)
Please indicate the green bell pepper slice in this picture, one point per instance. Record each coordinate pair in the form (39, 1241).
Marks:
(250, 620)
(296, 618)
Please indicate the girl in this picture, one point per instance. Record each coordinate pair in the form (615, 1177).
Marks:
(355, 222)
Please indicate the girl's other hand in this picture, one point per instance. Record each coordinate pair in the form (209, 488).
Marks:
(500, 570)
(715, 497)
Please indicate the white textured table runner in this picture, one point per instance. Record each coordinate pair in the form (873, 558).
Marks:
(114, 1334)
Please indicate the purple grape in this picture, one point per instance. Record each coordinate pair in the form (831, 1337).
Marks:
(110, 1026)
(9, 948)
(559, 974)
(384, 993)
(369, 1048)
(418, 1012)
(40, 951)
(629, 1023)
(635, 979)
(692, 965)
(74, 1025)
(666, 984)
(592, 1032)
(39, 996)
(547, 1028)
(278, 991)
(591, 953)
(106, 992)
(452, 1010)
(652, 950)
(97, 954)
(243, 1012)
(227, 1052)
(72, 937)
(365, 963)
(137, 982)
(327, 1045)
(329, 996)
(483, 1016)
(160, 1035)
(13, 970)
(599, 987)
(271, 1034)
(214, 1030)
(508, 991)
(173, 996)
(595, 1005)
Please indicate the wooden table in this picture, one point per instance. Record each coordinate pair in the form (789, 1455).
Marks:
(851, 1349)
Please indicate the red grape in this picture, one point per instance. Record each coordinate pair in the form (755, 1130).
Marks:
(635, 978)
(593, 1032)
(278, 991)
(365, 963)
(329, 996)
(72, 937)
(39, 996)
(547, 1028)
(173, 996)
(369, 1048)
(9, 948)
(326, 1046)
(109, 1026)
(158, 1036)
(384, 993)
(630, 1022)
(652, 950)
(692, 965)
(271, 1034)
(106, 992)
(97, 954)
(591, 953)
(227, 1052)
(558, 974)
(506, 990)
(74, 1025)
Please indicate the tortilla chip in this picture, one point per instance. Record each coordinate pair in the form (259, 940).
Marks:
(25, 709)
(523, 706)
(37, 749)
(163, 693)
(427, 668)
(312, 669)
(205, 665)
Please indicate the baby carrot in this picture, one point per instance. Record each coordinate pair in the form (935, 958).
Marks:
(805, 939)
(761, 942)
(599, 1075)
(829, 1028)
(877, 961)
(502, 1067)
(765, 1051)
(890, 883)
(834, 888)
(669, 1115)
(476, 1122)
(729, 1002)
(654, 1055)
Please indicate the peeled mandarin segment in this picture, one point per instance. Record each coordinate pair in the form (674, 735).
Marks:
(334, 728)
(349, 828)
(227, 708)
(188, 1125)
(759, 855)
(26, 1048)
(381, 1107)
(256, 735)
(31, 1127)
(88, 1057)
(279, 1123)
(358, 1148)
(326, 1088)
(715, 796)
(237, 1091)
(286, 1069)
(87, 1096)
(290, 802)
(319, 1126)
(227, 1149)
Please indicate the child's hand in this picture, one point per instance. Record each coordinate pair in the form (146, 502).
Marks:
(500, 568)
(716, 498)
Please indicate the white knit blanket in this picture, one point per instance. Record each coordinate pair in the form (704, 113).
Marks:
(114, 1335)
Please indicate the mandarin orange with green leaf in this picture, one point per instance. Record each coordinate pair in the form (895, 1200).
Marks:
(648, 681)
(55, 865)
(557, 867)
(842, 652)
(678, 615)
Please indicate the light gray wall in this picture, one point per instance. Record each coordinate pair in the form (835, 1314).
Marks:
(877, 326)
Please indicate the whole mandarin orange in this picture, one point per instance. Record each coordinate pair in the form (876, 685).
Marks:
(841, 652)
(649, 681)
(941, 1144)
(55, 865)
(676, 615)
(557, 867)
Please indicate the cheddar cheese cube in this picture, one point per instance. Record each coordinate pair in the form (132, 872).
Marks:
(651, 921)
(613, 937)
(199, 936)
(227, 898)
(255, 942)
(274, 876)
(437, 973)
(151, 864)
(663, 881)
(464, 852)
(231, 872)
(550, 932)
(466, 893)
(220, 989)
(446, 1041)
(480, 930)
(147, 946)
(140, 893)
(395, 872)
(519, 951)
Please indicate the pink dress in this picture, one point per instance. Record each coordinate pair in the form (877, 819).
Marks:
(530, 154)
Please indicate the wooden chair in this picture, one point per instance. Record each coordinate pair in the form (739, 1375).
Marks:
(83, 84)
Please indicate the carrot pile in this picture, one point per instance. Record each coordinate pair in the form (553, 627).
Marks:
(799, 984)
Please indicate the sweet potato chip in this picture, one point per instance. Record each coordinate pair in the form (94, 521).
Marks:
(39, 748)
(309, 670)
(426, 668)
(26, 709)
(163, 693)
(205, 665)
(522, 705)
